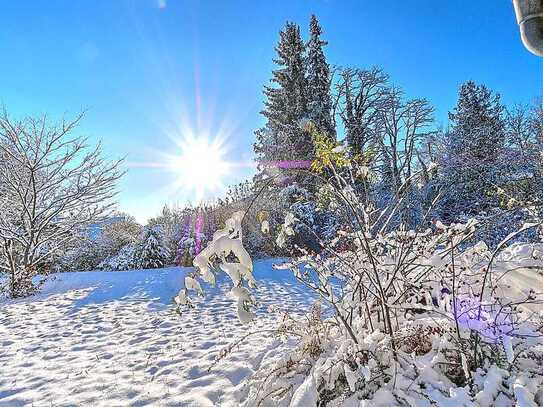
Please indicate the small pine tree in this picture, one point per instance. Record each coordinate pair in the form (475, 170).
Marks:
(152, 252)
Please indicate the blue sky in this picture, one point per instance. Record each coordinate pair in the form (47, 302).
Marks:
(148, 69)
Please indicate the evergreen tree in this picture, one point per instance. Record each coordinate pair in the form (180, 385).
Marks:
(283, 138)
(152, 252)
(189, 246)
(318, 81)
(474, 147)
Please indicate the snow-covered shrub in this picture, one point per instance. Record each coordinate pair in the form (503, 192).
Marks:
(418, 317)
(151, 251)
(94, 252)
(85, 255)
(122, 230)
(125, 259)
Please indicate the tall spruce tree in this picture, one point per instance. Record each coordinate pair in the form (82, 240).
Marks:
(283, 137)
(475, 143)
(319, 99)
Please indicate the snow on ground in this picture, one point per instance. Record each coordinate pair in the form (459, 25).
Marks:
(114, 339)
(520, 267)
(519, 282)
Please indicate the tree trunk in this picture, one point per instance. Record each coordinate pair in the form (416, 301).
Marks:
(20, 284)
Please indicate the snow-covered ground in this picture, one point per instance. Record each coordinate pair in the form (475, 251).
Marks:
(519, 281)
(520, 268)
(114, 339)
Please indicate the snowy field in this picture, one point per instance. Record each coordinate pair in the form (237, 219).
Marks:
(114, 339)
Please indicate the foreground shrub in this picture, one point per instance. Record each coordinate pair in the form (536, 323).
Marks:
(406, 317)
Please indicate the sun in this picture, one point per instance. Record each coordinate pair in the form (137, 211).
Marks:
(201, 165)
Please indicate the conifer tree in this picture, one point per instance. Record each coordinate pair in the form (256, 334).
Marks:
(283, 137)
(475, 144)
(152, 252)
(318, 81)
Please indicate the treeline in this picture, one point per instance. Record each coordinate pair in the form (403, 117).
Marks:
(485, 164)
(173, 237)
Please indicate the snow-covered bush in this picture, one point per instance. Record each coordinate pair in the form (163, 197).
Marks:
(151, 251)
(418, 317)
(125, 259)
(122, 230)
(85, 255)
(96, 251)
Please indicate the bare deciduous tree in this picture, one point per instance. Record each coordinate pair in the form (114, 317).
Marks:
(403, 124)
(360, 95)
(53, 185)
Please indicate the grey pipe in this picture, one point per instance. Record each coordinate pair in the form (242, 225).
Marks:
(530, 20)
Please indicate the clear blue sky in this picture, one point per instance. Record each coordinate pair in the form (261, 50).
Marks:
(145, 68)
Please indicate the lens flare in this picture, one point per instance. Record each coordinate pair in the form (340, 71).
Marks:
(200, 165)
